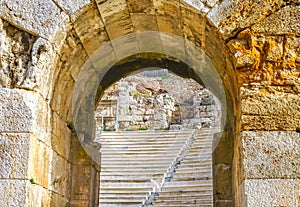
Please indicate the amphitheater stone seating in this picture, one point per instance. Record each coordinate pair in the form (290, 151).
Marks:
(156, 168)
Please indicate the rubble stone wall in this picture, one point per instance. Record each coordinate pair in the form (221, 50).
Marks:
(137, 103)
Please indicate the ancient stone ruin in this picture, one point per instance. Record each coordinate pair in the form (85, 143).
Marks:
(156, 133)
(142, 102)
(57, 59)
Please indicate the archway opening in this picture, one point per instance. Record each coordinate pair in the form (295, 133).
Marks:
(103, 69)
(152, 152)
(156, 99)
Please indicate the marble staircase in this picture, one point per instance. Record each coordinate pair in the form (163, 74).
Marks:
(156, 168)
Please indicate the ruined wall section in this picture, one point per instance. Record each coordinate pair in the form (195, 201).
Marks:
(34, 167)
(16, 48)
(36, 140)
(141, 102)
(267, 60)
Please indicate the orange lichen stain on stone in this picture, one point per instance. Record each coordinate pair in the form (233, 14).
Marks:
(246, 51)
(245, 127)
(247, 56)
(261, 59)
(290, 64)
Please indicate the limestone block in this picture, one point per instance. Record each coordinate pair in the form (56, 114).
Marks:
(275, 46)
(269, 110)
(144, 22)
(72, 6)
(73, 62)
(167, 16)
(24, 111)
(275, 104)
(61, 102)
(125, 46)
(285, 21)
(270, 154)
(173, 45)
(224, 203)
(38, 196)
(271, 59)
(116, 17)
(273, 192)
(90, 29)
(210, 3)
(292, 53)
(42, 18)
(223, 149)
(223, 179)
(81, 176)
(149, 42)
(244, 60)
(14, 155)
(39, 165)
(79, 203)
(60, 175)
(200, 5)
(250, 122)
(141, 6)
(24, 158)
(14, 193)
(79, 155)
(109, 7)
(39, 73)
(25, 60)
(61, 138)
(58, 200)
(250, 51)
(16, 48)
(231, 16)
(73, 54)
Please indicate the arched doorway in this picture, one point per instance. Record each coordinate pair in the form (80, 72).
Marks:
(258, 63)
(147, 158)
(102, 70)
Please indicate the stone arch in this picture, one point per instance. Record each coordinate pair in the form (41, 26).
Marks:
(96, 75)
(258, 64)
(136, 43)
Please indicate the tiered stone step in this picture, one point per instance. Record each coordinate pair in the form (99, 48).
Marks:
(133, 162)
(192, 183)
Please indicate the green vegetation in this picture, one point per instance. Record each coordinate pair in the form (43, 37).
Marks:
(32, 181)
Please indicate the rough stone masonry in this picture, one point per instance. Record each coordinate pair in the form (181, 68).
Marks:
(254, 46)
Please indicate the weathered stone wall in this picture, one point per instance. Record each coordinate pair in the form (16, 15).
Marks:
(38, 167)
(266, 57)
(140, 102)
(254, 45)
(16, 47)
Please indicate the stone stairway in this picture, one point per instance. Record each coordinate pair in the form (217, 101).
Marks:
(192, 183)
(159, 168)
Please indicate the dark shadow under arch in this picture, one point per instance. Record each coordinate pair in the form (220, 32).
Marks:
(141, 61)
